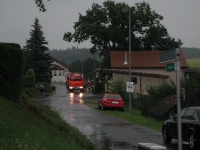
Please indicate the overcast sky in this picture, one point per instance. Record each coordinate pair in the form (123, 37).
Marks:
(181, 18)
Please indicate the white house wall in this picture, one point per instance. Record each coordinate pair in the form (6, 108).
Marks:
(59, 78)
(143, 81)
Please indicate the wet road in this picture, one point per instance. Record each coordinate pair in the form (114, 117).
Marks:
(105, 131)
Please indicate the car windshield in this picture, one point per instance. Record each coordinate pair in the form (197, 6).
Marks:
(76, 78)
(114, 96)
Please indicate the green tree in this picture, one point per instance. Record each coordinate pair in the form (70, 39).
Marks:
(106, 26)
(41, 5)
(76, 66)
(195, 73)
(36, 53)
(160, 91)
(192, 88)
(87, 65)
(192, 92)
(30, 72)
(118, 87)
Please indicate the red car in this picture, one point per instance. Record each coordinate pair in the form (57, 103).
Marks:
(111, 101)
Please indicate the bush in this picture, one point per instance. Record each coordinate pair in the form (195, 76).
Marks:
(28, 81)
(192, 92)
(30, 72)
(11, 70)
(118, 87)
(162, 90)
(99, 87)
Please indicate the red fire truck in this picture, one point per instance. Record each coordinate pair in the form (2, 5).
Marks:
(75, 81)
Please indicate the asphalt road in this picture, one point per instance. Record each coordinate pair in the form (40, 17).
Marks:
(106, 131)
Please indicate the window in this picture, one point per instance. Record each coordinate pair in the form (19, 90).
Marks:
(59, 73)
(189, 115)
(76, 78)
(114, 96)
(183, 112)
(134, 80)
(55, 73)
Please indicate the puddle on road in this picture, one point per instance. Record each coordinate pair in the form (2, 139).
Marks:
(107, 144)
(76, 98)
(120, 144)
(74, 101)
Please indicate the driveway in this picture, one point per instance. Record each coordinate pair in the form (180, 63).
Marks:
(105, 131)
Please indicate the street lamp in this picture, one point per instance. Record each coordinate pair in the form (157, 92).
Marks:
(94, 82)
(82, 60)
(82, 66)
(129, 63)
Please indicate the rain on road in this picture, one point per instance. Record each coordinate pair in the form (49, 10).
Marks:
(105, 131)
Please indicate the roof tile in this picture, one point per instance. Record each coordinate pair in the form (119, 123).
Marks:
(141, 59)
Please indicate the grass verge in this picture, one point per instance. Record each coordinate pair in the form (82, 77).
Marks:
(195, 62)
(134, 116)
(31, 125)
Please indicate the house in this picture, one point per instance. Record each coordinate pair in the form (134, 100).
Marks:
(145, 68)
(59, 71)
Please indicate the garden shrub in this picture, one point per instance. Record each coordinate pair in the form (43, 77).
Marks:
(11, 70)
(118, 87)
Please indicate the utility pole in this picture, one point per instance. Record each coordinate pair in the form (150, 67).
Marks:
(178, 99)
(129, 63)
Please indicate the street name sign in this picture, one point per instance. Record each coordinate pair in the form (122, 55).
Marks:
(170, 67)
(170, 56)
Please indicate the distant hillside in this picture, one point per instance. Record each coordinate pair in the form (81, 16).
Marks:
(71, 55)
(191, 52)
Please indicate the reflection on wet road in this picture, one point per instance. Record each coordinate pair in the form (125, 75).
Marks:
(106, 131)
(76, 98)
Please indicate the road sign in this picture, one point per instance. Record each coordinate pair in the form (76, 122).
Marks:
(167, 56)
(129, 87)
(170, 67)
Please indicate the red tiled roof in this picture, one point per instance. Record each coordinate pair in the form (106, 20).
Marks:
(141, 59)
(56, 67)
(145, 74)
(54, 59)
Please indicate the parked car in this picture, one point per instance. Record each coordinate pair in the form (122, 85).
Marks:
(39, 87)
(111, 101)
(190, 121)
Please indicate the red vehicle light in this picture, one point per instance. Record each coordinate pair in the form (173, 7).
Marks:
(106, 101)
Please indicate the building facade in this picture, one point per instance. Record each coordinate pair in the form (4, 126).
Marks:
(59, 71)
(145, 68)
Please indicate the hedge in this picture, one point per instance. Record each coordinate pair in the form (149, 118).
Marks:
(11, 70)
